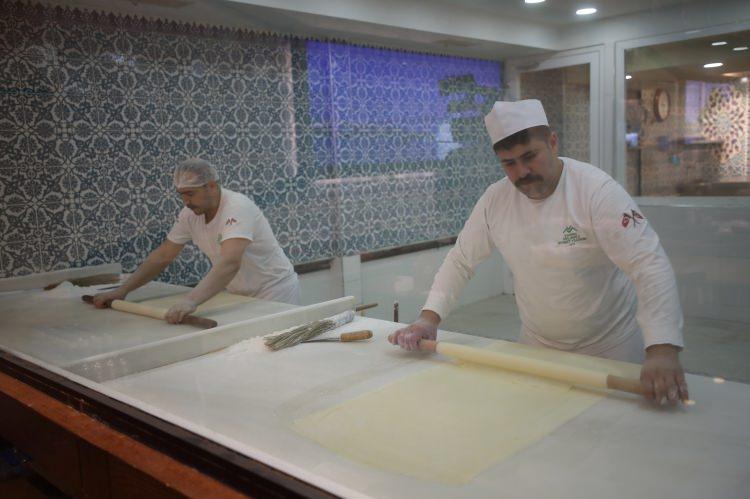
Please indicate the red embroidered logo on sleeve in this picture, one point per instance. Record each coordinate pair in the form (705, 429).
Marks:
(633, 216)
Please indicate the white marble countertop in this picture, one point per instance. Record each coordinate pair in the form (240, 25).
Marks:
(620, 447)
(57, 327)
(246, 398)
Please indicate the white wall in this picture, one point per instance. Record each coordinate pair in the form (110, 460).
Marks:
(709, 247)
(322, 285)
(404, 278)
(407, 279)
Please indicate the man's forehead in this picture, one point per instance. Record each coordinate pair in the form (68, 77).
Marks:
(188, 181)
(519, 150)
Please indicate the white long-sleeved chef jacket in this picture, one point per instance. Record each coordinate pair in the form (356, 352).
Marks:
(579, 257)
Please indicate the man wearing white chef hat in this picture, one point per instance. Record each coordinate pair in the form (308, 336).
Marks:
(590, 274)
(231, 230)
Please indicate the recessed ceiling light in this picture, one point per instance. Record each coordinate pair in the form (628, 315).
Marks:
(586, 11)
(713, 65)
(739, 48)
(743, 79)
(533, 1)
(716, 44)
(627, 77)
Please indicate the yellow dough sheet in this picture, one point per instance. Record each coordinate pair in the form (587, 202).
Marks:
(219, 302)
(448, 424)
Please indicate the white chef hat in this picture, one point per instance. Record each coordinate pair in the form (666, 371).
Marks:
(507, 118)
(194, 172)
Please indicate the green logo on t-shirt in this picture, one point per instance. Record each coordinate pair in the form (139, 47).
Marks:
(218, 239)
(571, 236)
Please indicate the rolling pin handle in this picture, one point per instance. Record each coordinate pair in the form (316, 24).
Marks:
(194, 320)
(366, 306)
(90, 299)
(624, 384)
(428, 345)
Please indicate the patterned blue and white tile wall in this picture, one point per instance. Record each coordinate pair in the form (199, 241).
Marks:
(345, 148)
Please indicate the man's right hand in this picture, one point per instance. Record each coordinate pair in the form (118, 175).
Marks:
(104, 300)
(425, 327)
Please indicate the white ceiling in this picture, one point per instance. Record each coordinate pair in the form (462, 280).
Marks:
(684, 60)
(563, 12)
(492, 29)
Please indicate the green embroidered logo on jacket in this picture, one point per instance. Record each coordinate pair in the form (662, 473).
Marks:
(571, 236)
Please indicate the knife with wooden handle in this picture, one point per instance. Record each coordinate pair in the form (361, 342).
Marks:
(345, 337)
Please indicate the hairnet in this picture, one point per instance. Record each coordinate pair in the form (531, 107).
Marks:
(194, 172)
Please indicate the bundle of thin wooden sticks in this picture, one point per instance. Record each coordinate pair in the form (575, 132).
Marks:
(307, 331)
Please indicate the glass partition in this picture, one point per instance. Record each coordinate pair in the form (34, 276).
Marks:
(686, 117)
(565, 93)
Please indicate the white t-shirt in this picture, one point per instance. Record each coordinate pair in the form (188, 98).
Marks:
(579, 258)
(264, 268)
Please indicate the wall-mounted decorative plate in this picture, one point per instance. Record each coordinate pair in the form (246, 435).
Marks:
(661, 104)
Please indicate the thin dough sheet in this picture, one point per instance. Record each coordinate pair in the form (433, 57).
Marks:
(448, 424)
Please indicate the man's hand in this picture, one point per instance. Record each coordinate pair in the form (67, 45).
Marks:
(176, 313)
(662, 375)
(104, 300)
(425, 327)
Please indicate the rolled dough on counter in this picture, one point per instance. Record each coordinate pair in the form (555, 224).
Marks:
(449, 423)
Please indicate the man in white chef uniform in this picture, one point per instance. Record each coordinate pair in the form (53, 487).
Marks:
(235, 235)
(590, 274)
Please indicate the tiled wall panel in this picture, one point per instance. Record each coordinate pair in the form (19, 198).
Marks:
(345, 148)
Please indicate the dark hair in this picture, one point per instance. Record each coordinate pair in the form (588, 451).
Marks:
(523, 137)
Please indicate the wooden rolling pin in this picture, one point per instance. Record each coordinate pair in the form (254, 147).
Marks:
(155, 312)
(538, 367)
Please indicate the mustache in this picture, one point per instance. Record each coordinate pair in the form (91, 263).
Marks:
(528, 179)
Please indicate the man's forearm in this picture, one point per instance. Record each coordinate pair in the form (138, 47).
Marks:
(663, 349)
(430, 316)
(146, 272)
(214, 282)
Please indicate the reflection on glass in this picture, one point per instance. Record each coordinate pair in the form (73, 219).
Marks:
(565, 95)
(687, 107)
(402, 141)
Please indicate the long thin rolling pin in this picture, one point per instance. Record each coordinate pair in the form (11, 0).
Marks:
(156, 313)
(544, 368)
(365, 306)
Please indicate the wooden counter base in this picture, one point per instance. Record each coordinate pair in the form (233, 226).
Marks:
(85, 458)
(89, 445)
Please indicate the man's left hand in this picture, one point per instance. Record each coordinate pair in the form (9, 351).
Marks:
(662, 375)
(176, 313)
